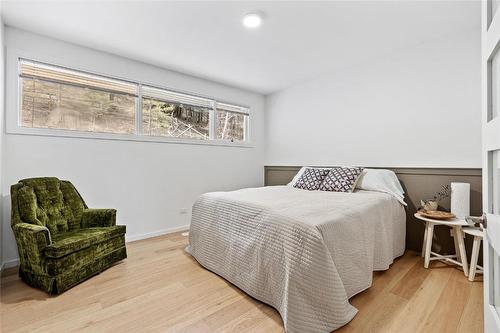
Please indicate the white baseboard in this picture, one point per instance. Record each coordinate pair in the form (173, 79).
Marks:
(156, 233)
(15, 262)
(9, 263)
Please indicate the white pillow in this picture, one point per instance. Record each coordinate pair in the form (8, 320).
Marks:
(299, 174)
(381, 180)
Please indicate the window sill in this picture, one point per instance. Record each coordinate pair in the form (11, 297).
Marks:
(123, 137)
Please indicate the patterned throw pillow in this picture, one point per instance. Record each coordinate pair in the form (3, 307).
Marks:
(311, 179)
(341, 179)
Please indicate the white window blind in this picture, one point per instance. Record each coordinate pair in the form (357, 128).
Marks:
(176, 98)
(232, 108)
(39, 71)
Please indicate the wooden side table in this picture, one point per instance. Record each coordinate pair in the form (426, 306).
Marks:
(478, 235)
(460, 257)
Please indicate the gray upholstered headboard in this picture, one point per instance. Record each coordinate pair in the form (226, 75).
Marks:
(419, 183)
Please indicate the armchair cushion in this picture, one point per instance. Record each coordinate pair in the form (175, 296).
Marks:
(91, 255)
(49, 202)
(27, 205)
(73, 241)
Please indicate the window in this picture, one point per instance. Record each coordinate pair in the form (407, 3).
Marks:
(231, 122)
(166, 113)
(57, 98)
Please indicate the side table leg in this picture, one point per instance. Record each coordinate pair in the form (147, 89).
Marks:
(473, 259)
(461, 247)
(428, 243)
(424, 243)
(457, 248)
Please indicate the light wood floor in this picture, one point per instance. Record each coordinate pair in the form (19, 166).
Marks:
(159, 288)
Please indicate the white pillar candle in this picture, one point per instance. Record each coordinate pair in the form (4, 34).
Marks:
(460, 199)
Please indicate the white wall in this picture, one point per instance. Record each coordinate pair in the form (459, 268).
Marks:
(148, 183)
(419, 107)
(2, 108)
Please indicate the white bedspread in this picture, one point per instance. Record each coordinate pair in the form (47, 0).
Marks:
(303, 252)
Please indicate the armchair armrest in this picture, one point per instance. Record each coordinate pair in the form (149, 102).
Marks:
(39, 234)
(98, 218)
(31, 242)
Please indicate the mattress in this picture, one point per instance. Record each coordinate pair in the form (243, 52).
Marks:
(303, 252)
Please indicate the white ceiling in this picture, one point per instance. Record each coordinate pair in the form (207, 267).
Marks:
(297, 41)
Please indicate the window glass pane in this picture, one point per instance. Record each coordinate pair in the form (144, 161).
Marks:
(160, 118)
(230, 125)
(54, 105)
(58, 98)
(495, 86)
(494, 278)
(496, 181)
(231, 122)
(492, 10)
(494, 7)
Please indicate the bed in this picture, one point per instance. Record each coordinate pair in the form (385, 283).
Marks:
(303, 252)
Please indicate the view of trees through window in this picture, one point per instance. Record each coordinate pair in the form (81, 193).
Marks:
(59, 98)
(167, 119)
(230, 125)
(60, 106)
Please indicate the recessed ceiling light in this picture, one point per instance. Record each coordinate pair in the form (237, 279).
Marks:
(252, 20)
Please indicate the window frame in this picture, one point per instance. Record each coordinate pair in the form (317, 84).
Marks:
(14, 104)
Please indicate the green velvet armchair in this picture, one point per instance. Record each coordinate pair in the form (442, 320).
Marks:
(61, 242)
